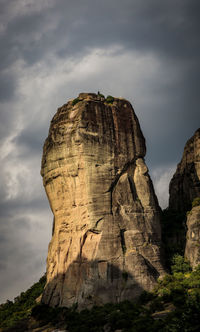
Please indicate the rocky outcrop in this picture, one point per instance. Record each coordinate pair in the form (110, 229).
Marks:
(184, 189)
(106, 238)
(185, 184)
(192, 250)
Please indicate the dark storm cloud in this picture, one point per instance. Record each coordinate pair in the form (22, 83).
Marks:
(23, 259)
(32, 138)
(7, 87)
(177, 119)
(44, 33)
(12, 207)
(166, 28)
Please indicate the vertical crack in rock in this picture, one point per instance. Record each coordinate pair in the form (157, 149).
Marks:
(106, 215)
(82, 242)
(123, 244)
(132, 186)
(117, 177)
(67, 254)
(53, 226)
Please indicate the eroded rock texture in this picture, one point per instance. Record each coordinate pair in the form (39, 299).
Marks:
(184, 188)
(185, 184)
(105, 245)
(192, 250)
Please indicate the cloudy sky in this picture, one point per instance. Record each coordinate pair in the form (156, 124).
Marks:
(51, 50)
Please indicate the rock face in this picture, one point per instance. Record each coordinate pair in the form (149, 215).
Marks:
(192, 249)
(184, 188)
(105, 245)
(185, 184)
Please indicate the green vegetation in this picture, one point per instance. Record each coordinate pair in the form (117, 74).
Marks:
(180, 264)
(75, 101)
(196, 202)
(101, 95)
(174, 305)
(13, 312)
(125, 315)
(109, 99)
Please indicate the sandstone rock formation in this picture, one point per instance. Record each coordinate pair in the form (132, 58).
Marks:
(192, 249)
(105, 245)
(185, 184)
(184, 188)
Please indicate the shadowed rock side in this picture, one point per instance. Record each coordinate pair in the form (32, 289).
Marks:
(192, 249)
(105, 211)
(185, 184)
(184, 188)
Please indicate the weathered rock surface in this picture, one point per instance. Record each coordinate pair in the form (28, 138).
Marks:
(106, 238)
(192, 249)
(184, 188)
(185, 184)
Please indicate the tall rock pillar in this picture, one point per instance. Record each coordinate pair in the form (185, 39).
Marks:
(185, 197)
(185, 184)
(105, 245)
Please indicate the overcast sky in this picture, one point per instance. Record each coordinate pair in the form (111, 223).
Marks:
(146, 51)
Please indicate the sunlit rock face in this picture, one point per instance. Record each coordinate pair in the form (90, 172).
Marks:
(185, 184)
(192, 249)
(105, 245)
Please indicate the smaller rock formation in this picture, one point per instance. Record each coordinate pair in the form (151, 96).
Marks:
(192, 250)
(184, 188)
(185, 184)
